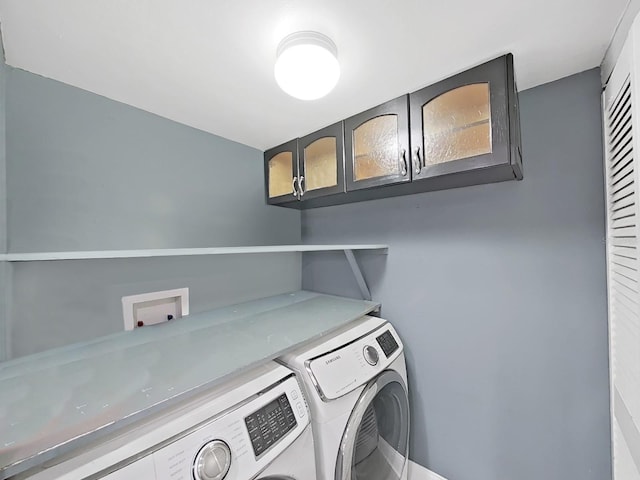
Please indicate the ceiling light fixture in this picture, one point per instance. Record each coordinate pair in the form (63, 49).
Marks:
(307, 65)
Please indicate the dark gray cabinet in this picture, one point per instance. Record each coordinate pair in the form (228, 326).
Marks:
(467, 122)
(462, 131)
(377, 146)
(305, 168)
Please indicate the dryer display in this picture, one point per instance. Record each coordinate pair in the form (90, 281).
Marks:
(387, 343)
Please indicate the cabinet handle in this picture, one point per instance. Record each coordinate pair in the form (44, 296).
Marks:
(404, 168)
(300, 187)
(293, 187)
(418, 161)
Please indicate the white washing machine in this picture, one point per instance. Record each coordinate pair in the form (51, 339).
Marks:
(255, 426)
(356, 384)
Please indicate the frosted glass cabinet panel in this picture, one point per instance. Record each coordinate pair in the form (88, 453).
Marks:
(457, 124)
(377, 146)
(281, 173)
(321, 163)
(467, 123)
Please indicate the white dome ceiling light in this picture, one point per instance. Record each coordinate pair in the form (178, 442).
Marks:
(307, 65)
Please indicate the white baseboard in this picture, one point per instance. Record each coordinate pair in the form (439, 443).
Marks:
(418, 472)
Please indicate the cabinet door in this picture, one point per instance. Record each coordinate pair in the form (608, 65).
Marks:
(321, 157)
(462, 123)
(281, 173)
(377, 146)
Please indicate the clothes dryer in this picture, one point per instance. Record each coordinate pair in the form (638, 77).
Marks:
(356, 384)
(254, 426)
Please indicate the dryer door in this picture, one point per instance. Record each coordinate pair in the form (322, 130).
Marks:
(375, 442)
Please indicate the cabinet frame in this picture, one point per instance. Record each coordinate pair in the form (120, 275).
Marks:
(291, 146)
(399, 107)
(498, 74)
(336, 130)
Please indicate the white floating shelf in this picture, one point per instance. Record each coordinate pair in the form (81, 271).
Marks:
(179, 252)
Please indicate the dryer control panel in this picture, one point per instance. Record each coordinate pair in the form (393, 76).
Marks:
(339, 372)
(387, 343)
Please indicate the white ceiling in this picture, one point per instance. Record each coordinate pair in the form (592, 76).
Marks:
(209, 64)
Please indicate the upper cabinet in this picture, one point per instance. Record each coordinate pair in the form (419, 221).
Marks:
(377, 146)
(305, 168)
(464, 130)
(464, 123)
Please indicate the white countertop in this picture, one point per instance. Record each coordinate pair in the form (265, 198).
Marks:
(56, 401)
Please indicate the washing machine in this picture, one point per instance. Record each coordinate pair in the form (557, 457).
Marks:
(355, 380)
(254, 426)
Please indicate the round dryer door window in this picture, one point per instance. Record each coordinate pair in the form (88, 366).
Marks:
(375, 443)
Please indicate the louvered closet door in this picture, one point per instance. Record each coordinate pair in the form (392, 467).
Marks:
(623, 215)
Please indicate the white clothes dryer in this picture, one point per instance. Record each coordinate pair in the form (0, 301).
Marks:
(254, 426)
(356, 384)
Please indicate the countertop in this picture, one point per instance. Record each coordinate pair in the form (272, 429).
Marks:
(54, 402)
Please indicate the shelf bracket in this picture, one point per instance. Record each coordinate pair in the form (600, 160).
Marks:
(355, 268)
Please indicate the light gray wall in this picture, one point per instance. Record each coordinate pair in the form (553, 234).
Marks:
(3, 154)
(499, 294)
(88, 173)
(57, 303)
(6, 291)
(4, 268)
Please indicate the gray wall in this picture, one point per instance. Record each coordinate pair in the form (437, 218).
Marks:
(88, 173)
(4, 267)
(3, 156)
(499, 294)
(57, 303)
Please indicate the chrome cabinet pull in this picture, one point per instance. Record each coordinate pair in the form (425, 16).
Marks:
(418, 161)
(300, 187)
(293, 187)
(404, 169)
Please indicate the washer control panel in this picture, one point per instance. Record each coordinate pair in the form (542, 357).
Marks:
(212, 461)
(226, 447)
(337, 373)
(269, 424)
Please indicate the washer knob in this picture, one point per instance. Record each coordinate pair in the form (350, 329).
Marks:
(213, 461)
(370, 355)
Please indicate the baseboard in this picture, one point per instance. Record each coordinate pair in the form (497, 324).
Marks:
(418, 472)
